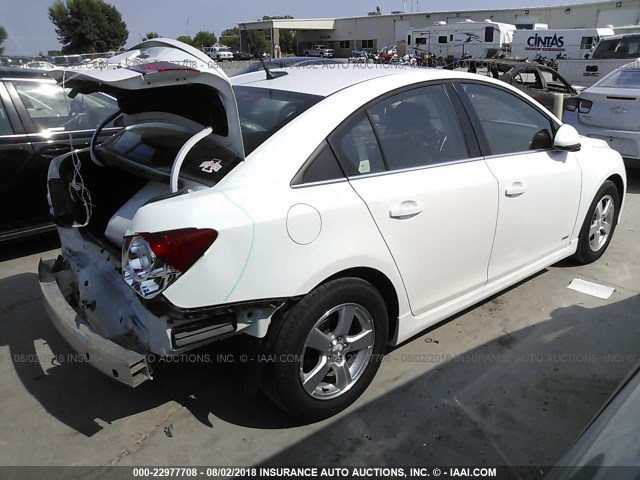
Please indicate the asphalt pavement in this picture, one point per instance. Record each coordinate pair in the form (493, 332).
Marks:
(512, 381)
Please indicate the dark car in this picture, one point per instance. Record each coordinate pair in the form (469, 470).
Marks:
(240, 55)
(612, 439)
(285, 62)
(538, 81)
(38, 122)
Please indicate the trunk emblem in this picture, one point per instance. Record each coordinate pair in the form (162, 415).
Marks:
(618, 110)
(211, 166)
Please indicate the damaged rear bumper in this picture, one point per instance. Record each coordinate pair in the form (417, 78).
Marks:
(125, 366)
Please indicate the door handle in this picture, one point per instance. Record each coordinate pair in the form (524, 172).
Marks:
(515, 190)
(54, 150)
(406, 209)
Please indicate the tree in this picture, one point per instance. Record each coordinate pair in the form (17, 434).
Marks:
(3, 37)
(88, 26)
(150, 35)
(185, 39)
(230, 37)
(204, 39)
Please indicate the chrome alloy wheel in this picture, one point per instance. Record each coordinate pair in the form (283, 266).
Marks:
(601, 223)
(337, 351)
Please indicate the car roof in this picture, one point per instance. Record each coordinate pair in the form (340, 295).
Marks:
(328, 79)
(620, 36)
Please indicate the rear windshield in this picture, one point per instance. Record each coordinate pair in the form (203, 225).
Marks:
(264, 111)
(622, 79)
(155, 144)
(626, 47)
(153, 139)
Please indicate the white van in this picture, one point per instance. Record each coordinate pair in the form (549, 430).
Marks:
(574, 43)
(468, 38)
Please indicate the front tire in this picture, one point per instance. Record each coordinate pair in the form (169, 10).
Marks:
(599, 224)
(328, 349)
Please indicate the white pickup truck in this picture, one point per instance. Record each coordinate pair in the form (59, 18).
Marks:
(318, 51)
(219, 53)
(612, 52)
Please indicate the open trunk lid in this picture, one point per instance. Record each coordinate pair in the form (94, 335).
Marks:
(164, 75)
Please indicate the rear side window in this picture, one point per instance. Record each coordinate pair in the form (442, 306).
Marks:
(322, 166)
(418, 128)
(357, 148)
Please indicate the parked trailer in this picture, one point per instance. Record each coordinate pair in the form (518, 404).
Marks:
(572, 43)
(463, 39)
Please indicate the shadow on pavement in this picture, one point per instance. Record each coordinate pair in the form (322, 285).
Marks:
(520, 399)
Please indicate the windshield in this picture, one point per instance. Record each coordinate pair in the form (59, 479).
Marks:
(622, 79)
(264, 111)
(626, 47)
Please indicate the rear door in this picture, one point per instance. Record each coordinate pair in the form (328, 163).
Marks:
(53, 123)
(433, 199)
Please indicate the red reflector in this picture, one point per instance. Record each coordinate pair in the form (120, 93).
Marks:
(156, 67)
(181, 248)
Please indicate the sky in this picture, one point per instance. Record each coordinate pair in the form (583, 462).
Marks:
(30, 31)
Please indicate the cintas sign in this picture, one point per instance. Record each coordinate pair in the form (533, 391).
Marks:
(550, 42)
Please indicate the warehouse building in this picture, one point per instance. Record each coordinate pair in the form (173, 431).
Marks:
(378, 29)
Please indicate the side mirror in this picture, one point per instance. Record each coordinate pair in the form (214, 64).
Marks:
(567, 139)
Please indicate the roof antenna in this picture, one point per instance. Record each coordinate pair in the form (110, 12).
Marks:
(270, 75)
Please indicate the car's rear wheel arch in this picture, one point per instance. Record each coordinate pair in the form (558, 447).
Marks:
(381, 283)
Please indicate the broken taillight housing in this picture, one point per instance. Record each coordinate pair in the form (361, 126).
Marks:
(153, 261)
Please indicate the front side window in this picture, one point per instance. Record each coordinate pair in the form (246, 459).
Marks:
(418, 128)
(510, 124)
(51, 108)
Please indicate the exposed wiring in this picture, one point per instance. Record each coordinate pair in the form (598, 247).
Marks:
(77, 188)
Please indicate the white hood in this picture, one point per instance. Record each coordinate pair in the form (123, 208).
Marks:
(161, 63)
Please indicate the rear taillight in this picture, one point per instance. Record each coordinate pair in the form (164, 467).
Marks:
(571, 104)
(153, 261)
(574, 103)
(585, 106)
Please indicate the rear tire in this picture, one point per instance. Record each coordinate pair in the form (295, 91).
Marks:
(328, 349)
(599, 224)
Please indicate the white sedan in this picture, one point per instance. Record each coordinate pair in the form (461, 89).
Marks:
(329, 213)
(610, 110)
